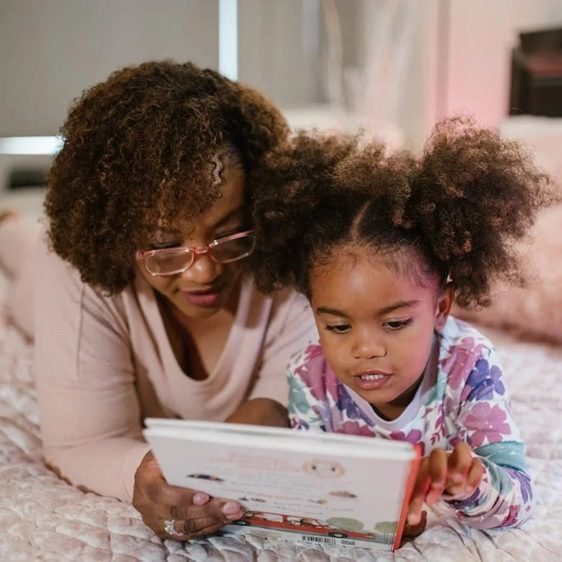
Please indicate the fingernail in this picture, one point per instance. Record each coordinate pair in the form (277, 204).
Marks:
(231, 508)
(199, 498)
(232, 516)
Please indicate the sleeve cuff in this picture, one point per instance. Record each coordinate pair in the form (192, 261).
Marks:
(130, 466)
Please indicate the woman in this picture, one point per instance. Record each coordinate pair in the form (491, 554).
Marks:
(144, 299)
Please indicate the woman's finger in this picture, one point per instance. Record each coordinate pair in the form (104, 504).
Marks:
(218, 509)
(163, 493)
(160, 502)
(190, 528)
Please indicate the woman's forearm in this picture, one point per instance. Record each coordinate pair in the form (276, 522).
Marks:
(260, 411)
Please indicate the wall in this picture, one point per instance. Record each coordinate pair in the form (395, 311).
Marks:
(481, 35)
(458, 59)
(278, 49)
(458, 54)
(51, 50)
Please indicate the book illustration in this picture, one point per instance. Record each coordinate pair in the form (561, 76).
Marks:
(335, 522)
(302, 527)
(336, 526)
(206, 477)
(346, 523)
(342, 494)
(324, 469)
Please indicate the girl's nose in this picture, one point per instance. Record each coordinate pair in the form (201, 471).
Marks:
(367, 346)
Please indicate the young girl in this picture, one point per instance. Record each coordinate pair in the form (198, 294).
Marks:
(382, 245)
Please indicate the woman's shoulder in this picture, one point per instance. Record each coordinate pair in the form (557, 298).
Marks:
(287, 308)
(59, 285)
(287, 298)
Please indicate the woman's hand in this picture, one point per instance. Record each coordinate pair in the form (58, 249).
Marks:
(178, 513)
(456, 474)
(261, 411)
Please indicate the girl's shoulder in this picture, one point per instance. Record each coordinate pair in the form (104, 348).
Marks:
(310, 360)
(457, 333)
(310, 367)
(462, 350)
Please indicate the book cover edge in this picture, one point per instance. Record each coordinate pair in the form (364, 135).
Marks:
(407, 494)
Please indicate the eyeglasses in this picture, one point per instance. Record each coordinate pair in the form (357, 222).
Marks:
(171, 261)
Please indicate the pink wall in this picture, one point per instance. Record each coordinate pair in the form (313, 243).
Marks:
(481, 35)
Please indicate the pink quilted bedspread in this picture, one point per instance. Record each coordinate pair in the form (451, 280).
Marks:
(43, 518)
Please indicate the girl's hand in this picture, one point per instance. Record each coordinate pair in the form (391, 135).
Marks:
(456, 474)
(178, 513)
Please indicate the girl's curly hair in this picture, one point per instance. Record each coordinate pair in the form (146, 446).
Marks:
(137, 152)
(461, 205)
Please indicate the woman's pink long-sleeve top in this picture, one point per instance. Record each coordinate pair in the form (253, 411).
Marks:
(103, 363)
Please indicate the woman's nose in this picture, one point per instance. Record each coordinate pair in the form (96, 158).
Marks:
(204, 269)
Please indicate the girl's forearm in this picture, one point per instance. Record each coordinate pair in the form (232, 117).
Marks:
(503, 499)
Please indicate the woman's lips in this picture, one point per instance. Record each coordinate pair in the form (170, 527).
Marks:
(206, 299)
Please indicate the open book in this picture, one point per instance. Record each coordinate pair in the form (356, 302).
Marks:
(322, 487)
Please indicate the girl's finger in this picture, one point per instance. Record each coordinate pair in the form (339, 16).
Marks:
(459, 463)
(412, 531)
(418, 496)
(475, 473)
(415, 511)
(437, 470)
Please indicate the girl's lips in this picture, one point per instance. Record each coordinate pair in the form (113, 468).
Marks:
(371, 380)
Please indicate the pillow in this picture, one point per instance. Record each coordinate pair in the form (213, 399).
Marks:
(534, 311)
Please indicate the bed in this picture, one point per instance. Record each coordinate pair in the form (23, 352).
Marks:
(44, 518)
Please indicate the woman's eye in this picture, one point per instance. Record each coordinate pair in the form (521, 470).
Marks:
(338, 328)
(229, 232)
(397, 324)
(164, 245)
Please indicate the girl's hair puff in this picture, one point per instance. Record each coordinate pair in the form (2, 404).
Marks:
(461, 205)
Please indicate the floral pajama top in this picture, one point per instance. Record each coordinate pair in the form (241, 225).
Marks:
(461, 398)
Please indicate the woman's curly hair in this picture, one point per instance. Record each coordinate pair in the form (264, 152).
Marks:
(137, 153)
(461, 205)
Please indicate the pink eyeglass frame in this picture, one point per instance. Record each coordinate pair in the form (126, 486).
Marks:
(194, 251)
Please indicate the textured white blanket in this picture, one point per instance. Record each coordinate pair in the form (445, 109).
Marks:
(43, 518)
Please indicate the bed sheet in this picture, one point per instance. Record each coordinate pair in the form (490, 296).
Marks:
(44, 518)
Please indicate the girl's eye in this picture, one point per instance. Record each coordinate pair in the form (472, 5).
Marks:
(397, 324)
(338, 328)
